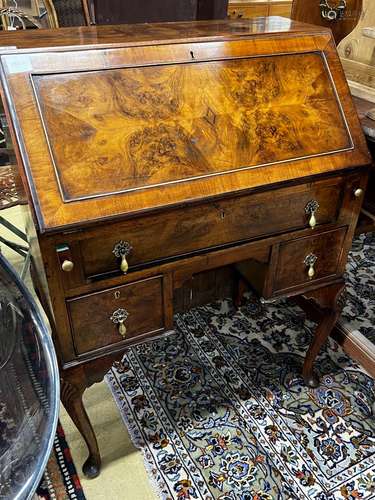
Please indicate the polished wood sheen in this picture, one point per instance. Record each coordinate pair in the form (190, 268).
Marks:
(93, 312)
(162, 161)
(198, 150)
(308, 11)
(237, 219)
(183, 121)
(291, 268)
(246, 9)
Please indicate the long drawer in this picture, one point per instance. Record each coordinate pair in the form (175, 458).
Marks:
(183, 231)
(121, 314)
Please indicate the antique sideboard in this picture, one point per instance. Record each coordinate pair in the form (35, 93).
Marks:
(151, 153)
(245, 9)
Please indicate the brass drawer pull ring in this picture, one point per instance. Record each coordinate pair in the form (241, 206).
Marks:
(67, 266)
(121, 250)
(309, 262)
(310, 209)
(118, 318)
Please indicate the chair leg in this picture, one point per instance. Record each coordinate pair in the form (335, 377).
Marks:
(20, 249)
(26, 266)
(11, 227)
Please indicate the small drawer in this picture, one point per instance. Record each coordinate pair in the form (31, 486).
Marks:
(96, 318)
(282, 9)
(320, 254)
(150, 239)
(247, 11)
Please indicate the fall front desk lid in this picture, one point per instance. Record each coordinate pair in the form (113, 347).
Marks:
(107, 132)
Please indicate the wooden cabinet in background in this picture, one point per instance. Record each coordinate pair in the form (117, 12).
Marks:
(245, 9)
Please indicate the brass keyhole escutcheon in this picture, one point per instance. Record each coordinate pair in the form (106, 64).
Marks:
(119, 317)
(358, 192)
(121, 250)
(310, 209)
(309, 262)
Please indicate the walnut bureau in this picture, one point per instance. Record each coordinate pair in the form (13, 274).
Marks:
(151, 153)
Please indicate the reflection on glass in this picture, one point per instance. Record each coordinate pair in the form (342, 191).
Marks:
(28, 389)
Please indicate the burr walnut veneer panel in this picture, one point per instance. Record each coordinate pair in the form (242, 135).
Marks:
(113, 131)
(111, 119)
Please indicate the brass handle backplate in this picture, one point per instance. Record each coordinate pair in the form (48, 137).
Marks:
(118, 318)
(330, 13)
(310, 209)
(309, 262)
(121, 250)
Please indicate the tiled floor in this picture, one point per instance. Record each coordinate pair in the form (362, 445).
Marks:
(123, 474)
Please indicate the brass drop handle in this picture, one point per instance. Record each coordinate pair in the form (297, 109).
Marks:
(310, 209)
(67, 266)
(121, 250)
(332, 13)
(358, 192)
(309, 262)
(118, 318)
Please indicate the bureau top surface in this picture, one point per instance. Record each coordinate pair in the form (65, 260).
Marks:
(135, 34)
(206, 110)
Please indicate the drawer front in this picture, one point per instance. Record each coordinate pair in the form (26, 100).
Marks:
(224, 222)
(247, 11)
(282, 9)
(94, 321)
(320, 254)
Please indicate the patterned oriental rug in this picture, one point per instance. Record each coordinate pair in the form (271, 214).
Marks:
(60, 480)
(359, 313)
(220, 411)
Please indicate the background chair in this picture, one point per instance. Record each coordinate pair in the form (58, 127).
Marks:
(12, 194)
(69, 12)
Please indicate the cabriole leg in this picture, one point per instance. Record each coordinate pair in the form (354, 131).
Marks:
(71, 397)
(331, 302)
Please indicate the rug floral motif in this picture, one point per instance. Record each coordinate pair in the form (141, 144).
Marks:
(220, 411)
(359, 312)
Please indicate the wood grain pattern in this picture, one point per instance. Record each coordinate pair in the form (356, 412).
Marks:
(179, 229)
(157, 33)
(91, 315)
(211, 225)
(117, 130)
(53, 213)
(308, 11)
(246, 9)
(291, 268)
